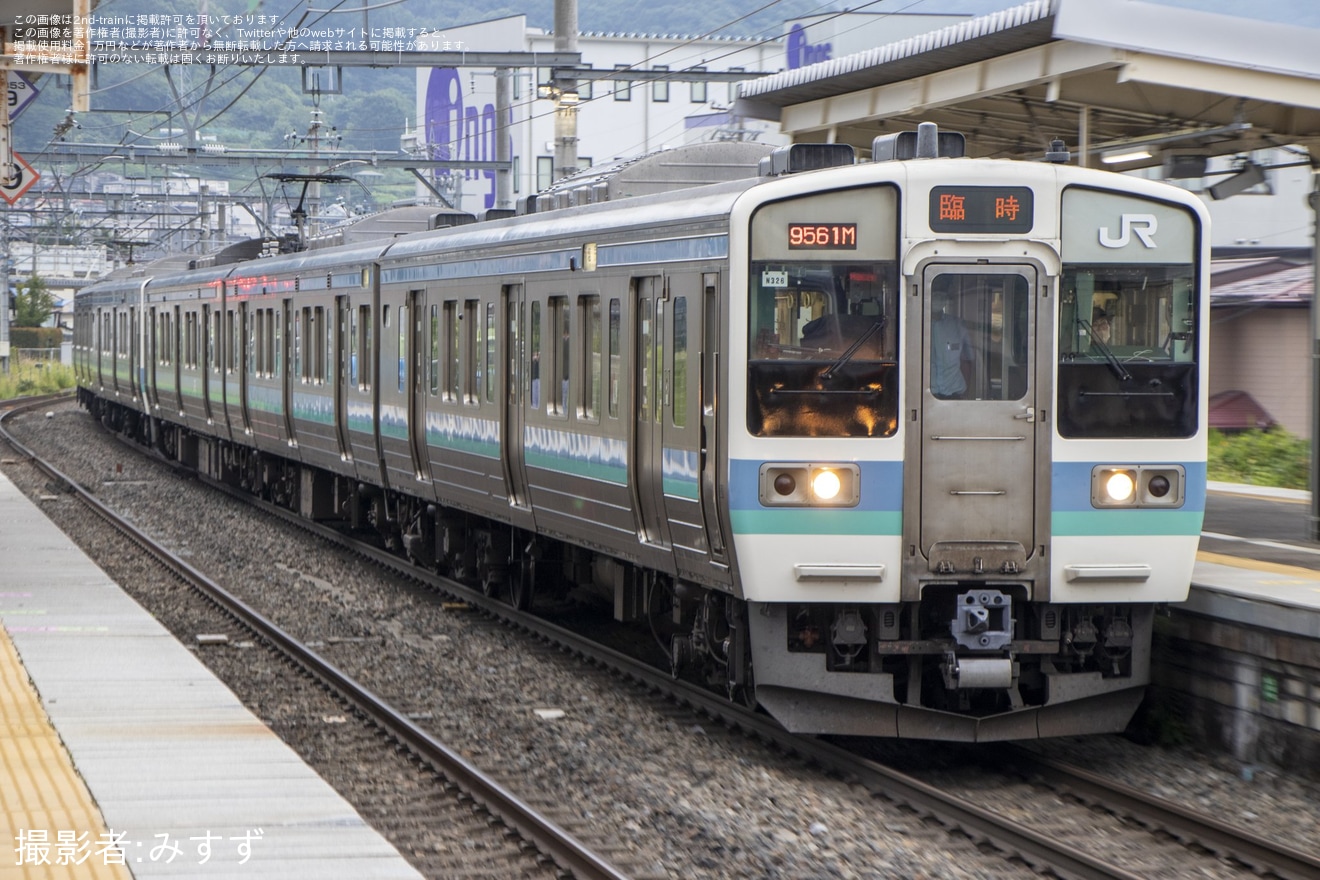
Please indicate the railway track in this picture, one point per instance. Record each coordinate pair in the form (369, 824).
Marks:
(1043, 850)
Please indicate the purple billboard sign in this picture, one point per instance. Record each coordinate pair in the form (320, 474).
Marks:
(459, 130)
(801, 53)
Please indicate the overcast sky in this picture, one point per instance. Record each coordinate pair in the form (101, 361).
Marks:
(1303, 12)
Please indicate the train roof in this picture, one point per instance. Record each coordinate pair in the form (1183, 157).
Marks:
(663, 171)
(642, 212)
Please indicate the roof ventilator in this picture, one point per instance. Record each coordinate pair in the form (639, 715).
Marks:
(806, 157)
(927, 142)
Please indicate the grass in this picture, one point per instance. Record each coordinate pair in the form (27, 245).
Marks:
(1260, 458)
(31, 378)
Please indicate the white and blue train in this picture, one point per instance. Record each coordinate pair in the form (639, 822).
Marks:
(906, 447)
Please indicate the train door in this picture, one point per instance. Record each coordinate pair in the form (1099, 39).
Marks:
(679, 400)
(647, 449)
(423, 333)
(978, 418)
(152, 338)
(710, 451)
(515, 389)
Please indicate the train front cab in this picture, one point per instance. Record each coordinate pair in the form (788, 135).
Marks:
(942, 563)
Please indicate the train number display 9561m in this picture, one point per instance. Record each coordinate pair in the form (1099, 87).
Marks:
(898, 448)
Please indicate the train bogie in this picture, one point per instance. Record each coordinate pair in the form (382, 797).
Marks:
(906, 448)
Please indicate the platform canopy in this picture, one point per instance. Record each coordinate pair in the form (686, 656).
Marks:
(1106, 76)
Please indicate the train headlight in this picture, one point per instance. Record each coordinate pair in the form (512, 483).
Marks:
(1119, 487)
(810, 485)
(1138, 486)
(826, 485)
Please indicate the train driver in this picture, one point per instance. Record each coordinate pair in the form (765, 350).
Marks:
(1101, 327)
(950, 352)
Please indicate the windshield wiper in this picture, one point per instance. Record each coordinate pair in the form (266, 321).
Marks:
(1114, 364)
(852, 349)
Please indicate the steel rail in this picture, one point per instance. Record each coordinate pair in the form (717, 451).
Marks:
(1262, 856)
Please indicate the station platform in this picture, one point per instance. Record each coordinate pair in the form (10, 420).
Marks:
(122, 756)
(1257, 565)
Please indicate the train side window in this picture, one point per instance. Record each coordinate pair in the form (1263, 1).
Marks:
(254, 343)
(300, 333)
(680, 362)
(591, 359)
(403, 349)
(316, 351)
(364, 313)
(612, 364)
(232, 332)
(492, 343)
(277, 347)
(328, 319)
(295, 330)
(535, 332)
(556, 404)
(472, 381)
(352, 347)
(435, 350)
(259, 359)
(451, 364)
(212, 342)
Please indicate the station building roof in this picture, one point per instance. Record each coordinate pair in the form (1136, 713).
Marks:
(1103, 75)
(1264, 281)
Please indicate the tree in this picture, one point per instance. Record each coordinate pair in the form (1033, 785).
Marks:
(34, 303)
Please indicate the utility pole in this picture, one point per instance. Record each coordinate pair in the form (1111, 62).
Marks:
(503, 143)
(565, 92)
(4, 290)
(1313, 199)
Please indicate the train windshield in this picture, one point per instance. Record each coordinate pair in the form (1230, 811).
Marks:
(1127, 317)
(823, 339)
(1127, 351)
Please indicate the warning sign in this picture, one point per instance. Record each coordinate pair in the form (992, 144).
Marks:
(22, 177)
(22, 91)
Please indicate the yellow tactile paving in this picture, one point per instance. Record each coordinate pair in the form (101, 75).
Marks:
(50, 829)
(1258, 565)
